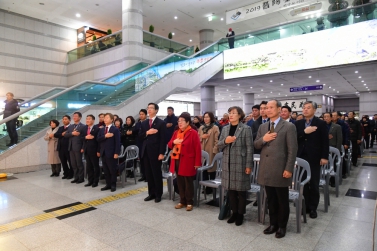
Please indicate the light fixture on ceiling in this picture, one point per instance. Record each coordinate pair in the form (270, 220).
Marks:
(239, 92)
(209, 18)
(306, 17)
(337, 91)
(173, 33)
(286, 95)
(333, 89)
(330, 87)
(190, 40)
(362, 81)
(356, 92)
(271, 92)
(310, 94)
(251, 87)
(238, 84)
(310, 76)
(365, 84)
(271, 81)
(258, 95)
(359, 76)
(175, 17)
(279, 93)
(281, 84)
(304, 92)
(227, 90)
(318, 81)
(262, 90)
(222, 19)
(356, 71)
(78, 15)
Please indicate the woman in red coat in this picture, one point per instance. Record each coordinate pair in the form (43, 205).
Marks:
(185, 159)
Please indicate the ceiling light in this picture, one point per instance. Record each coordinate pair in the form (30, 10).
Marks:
(271, 92)
(357, 92)
(356, 72)
(306, 17)
(310, 94)
(173, 33)
(324, 84)
(258, 95)
(222, 19)
(251, 87)
(238, 84)
(271, 81)
(318, 81)
(262, 90)
(279, 93)
(175, 17)
(359, 76)
(304, 92)
(281, 84)
(362, 81)
(209, 18)
(365, 84)
(286, 95)
(227, 90)
(333, 89)
(78, 15)
(239, 92)
(190, 40)
(330, 87)
(310, 76)
(337, 91)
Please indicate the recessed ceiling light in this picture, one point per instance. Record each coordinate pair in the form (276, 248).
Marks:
(279, 93)
(281, 84)
(318, 81)
(365, 84)
(78, 15)
(222, 19)
(227, 90)
(286, 95)
(357, 92)
(337, 91)
(271, 92)
(333, 89)
(239, 92)
(251, 87)
(258, 95)
(190, 40)
(356, 71)
(310, 94)
(329, 86)
(173, 33)
(310, 76)
(359, 76)
(175, 17)
(262, 90)
(304, 92)
(271, 81)
(238, 84)
(362, 81)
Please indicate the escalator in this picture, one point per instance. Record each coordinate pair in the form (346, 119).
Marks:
(128, 93)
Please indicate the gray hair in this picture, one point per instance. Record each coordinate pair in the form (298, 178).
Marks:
(278, 103)
(314, 104)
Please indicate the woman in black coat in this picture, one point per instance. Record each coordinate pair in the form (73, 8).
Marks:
(128, 137)
(365, 123)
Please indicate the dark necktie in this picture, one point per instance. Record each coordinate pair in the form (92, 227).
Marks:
(264, 121)
(106, 129)
(150, 123)
(272, 130)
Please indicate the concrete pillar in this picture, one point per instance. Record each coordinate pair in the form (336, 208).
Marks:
(368, 103)
(196, 109)
(132, 31)
(248, 102)
(205, 37)
(207, 99)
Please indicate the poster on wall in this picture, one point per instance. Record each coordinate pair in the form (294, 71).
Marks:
(295, 104)
(330, 47)
(260, 8)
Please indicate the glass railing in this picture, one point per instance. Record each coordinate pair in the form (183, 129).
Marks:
(162, 43)
(96, 93)
(126, 73)
(115, 39)
(101, 44)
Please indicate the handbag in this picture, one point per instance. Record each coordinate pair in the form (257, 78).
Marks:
(225, 208)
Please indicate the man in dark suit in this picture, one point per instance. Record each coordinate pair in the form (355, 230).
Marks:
(286, 114)
(373, 127)
(254, 115)
(261, 120)
(139, 142)
(171, 122)
(62, 147)
(109, 140)
(313, 146)
(90, 149)
(345, 137)
(76, 134)
(152, 132)
(277, 140)
(355, 135)
(335, 132)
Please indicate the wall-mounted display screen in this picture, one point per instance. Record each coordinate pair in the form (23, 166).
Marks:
(337, 46)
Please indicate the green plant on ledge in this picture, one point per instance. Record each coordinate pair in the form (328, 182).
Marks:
(151, 29)
(170, 36)
(94, 38)
(197, 49)
(109, 31)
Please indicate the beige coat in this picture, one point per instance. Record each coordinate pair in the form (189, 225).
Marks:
(210, 144)
(53, 154)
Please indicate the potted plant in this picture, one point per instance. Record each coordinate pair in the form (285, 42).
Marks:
(197, 49)
(109, 31)
(151, 29)
(170, 36)
(94, 38)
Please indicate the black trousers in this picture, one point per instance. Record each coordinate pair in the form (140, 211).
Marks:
(278, 205)
(110, 169)
(142, 169)
(77, 165)
(92, 167)
(153, 174)
(231, 43)
(237, 201)
(373, 138)
(185, 187)
(311, 189)
(355, 151)
(12, 132)
(55, 168)
(65, 159)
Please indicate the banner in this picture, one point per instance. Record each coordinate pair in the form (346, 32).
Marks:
(336, 46)
(305, 9)
(295, 104)
(259, 9)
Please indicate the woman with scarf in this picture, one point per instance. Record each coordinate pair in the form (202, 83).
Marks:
(209, 136)
(185, 159)
(52, 144)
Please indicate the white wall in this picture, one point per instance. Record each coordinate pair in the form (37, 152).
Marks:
(222, 107)
(368, 103)
(32, 54)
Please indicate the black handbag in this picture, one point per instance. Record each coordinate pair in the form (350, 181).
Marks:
(225, 208)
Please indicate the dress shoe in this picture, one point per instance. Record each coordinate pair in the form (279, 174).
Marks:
(280, 233)
(10, 144)
(179, 206)
(189, 208)
(105, 188)
(157, 199)
(141, 179)
(255, 204)
(239, 220)
(270, 230)
(113, 189)
(69, 177)
(88, 185)
(95, 185)
(344, 176)
(74, 181)
(313, 214)
(150, 197)
(57, 174)
(52, 175)
(64, 177)
(80, 181)
(232, 218)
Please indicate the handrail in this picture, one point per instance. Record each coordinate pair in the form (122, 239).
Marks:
(37, 96)
(157, 62)
(102, 38)
(165, 38)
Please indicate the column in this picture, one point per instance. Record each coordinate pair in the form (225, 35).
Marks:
(248, 102)
(368, 103)
(132, 31)
(196, 109)
(205, 37)
(207, 99)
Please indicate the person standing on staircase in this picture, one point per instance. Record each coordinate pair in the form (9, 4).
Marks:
(11, 107)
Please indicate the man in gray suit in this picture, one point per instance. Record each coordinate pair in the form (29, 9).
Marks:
(335, 132)
(277, 140)
(76, 134)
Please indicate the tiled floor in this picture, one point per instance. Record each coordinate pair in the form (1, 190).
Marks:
(132, 224)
